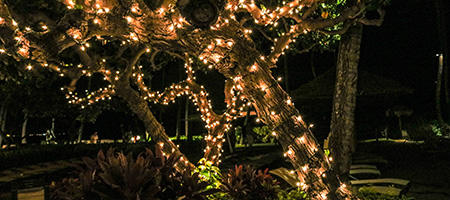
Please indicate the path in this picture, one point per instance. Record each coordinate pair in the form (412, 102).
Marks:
(16, 178)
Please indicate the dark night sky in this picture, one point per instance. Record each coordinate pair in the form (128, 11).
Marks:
(404, 48)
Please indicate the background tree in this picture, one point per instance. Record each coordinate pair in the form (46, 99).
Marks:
(342, 128)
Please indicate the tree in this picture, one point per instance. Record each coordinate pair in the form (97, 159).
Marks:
(442, 67)
(112, 38)
(342, 127)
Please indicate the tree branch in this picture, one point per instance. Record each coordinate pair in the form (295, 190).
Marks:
(374, 22)
(131, 64)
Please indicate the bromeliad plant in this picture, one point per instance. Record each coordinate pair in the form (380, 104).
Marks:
(116, 176)
(248, 183)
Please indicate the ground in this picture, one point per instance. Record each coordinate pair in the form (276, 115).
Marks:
(427, 167)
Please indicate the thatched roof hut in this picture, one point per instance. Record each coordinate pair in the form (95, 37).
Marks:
(368, 84)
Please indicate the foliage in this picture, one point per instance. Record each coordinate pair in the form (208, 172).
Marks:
(366, 193)
(295, 194)
(238, 133)
(249, 183)
(264, 134)
(436, 128)
(421, 129)
(209, 173)
(149, 176)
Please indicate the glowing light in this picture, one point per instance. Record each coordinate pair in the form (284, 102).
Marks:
(129, 19)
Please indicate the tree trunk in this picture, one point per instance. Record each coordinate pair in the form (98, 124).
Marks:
(24, 128)
(251, 73)
(274, 109)
(186, 120)
(313, 69)
(442, 124)
(140, 107)
(178, 125)
(342, 129)
(3, 111)
(443, 68)
(80, 132)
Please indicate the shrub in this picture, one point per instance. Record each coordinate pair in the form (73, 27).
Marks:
(294, 194)
(366, 193)
(264, 134)
(209, 173)
(116, 176)
(248, 183)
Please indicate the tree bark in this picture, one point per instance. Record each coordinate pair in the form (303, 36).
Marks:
(342, 129)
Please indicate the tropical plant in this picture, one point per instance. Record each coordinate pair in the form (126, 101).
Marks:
(116, 176)
(249, 183)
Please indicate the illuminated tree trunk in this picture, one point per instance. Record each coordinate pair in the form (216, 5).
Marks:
(140, 107)
(342, 129)
(276, 110)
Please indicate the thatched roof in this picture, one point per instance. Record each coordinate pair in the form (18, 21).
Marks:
(368, 84)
